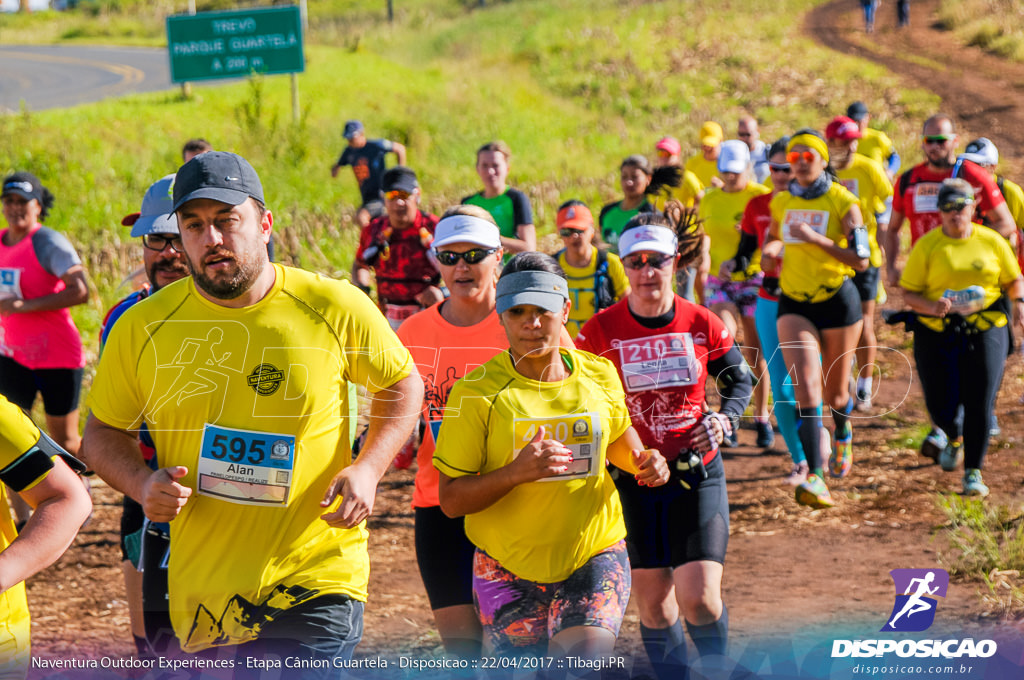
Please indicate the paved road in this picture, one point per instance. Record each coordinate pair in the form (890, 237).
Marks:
(46, 77)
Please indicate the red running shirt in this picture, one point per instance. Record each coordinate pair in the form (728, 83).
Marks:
(916, 195)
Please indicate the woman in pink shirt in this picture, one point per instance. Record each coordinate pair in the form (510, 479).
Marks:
(41, 276)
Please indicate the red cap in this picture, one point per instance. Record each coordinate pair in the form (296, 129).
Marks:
(670, 144)
(574, 217)
(843, 128)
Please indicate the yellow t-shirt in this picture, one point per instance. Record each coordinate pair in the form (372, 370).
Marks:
(545, 530)
(686, 193)
(1014, 196)
(808, 273)
(704, 169)
(254, 402)
(722, 213)
(876, 145)
(866, 180)
(17, 436)
(971, 271)
(581, 287)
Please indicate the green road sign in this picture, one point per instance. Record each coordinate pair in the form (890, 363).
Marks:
(235, 44)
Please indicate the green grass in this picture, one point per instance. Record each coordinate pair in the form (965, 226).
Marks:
(986, 543)
(994, 25)
(573, 86)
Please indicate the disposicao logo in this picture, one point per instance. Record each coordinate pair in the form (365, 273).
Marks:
(916, 590)
(912, 612)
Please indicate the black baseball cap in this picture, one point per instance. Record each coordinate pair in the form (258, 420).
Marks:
(857, 110)
(218, 175)
(399, 178)
(24, 184)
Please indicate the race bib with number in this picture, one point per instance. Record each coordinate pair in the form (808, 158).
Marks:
(852, 185)
(815, 219)
(966, 301)
(242, 466)
(580, 432)
(10, 282)
(658, 361)
(926, 197)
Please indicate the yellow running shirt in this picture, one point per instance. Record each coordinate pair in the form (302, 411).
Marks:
(722, 213)
(808, 273)
(686, 193)
(541, 531)
(866, 180)
(582, 287)
(704, 169)
(971, 271)
(254, 402)
(875, 145)
(18, 435)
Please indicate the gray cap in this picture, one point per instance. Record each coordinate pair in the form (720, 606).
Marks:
(217, 175)
(857, 110)
(157, 214)
(541, 289)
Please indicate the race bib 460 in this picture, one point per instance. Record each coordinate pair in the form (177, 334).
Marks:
(580, 432)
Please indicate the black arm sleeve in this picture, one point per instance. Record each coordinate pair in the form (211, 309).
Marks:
(744, 251)
(735, 383)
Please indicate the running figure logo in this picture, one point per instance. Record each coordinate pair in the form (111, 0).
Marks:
(914, 609)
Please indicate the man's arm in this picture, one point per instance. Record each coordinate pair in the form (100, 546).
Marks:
(399, 151)
(114, 454)
(1001, 220)
(394, 412)
(61, 507)
(892, 246)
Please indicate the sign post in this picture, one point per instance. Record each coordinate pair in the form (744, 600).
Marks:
(236, 44)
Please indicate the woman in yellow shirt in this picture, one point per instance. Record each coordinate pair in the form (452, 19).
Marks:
(818, 233)
(522, 453)
(955, 278)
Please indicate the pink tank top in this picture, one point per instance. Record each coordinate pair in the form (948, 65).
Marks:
(37, 339)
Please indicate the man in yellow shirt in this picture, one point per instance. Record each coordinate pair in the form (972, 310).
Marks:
(874, 144)
(241, 373)
(705, 163)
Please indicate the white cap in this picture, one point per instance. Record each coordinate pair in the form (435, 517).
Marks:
(734, 156)
(466, 229)
(651, 237)
(981, 151)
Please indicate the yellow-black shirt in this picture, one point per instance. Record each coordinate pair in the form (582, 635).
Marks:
(582, 287)
(722, 213)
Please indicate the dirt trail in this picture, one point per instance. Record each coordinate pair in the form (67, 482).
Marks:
(789, 571)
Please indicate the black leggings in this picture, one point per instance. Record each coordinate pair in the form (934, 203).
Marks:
(961, 368)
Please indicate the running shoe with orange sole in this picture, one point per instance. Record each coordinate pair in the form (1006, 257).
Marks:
(813, 493)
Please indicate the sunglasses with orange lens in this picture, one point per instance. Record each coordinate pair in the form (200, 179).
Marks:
(805, 156)
(396, 195)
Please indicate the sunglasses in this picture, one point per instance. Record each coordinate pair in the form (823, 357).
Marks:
(780, 167)
(955, 205)
(396, 195)
(158, 242)
(449, 258)
(937, 139)
(568, 231)
(806, 156)
(641, 260)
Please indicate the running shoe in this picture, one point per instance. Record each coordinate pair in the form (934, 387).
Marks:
(973, 486)
(765, 434)
(993, 427)
(934, 444)
(798, 475)
(951, 457)
(841, 459)
(813, 493)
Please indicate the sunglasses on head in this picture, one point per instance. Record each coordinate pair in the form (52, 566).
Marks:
(806, 156)
(158, 242)
(937, 139)
(397, 194)
(641, 260)
(449, 257)
(955, 204)
(569, 231)
(780, 167)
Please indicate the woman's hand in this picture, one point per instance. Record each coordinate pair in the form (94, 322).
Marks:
(539, 459)
(709, 435)
(805, 233)
(941, 307)
(11, 304)
(653, 468)
(726, 270)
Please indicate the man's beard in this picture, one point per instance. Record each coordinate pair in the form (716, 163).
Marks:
(229, 284)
